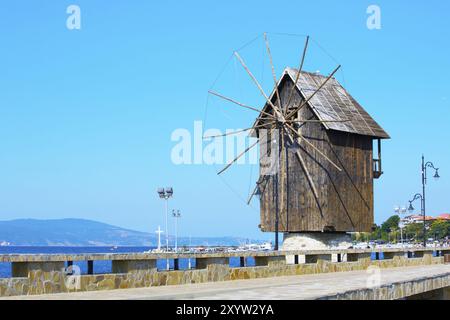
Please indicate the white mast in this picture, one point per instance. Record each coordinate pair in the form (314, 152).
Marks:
(176, 215)
(159, 231)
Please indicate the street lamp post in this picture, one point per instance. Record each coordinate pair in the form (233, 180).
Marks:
(166, 194)
(422, 198)
(176, 215)
(418, 196)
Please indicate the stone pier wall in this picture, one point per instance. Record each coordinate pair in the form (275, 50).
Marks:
(47, 276)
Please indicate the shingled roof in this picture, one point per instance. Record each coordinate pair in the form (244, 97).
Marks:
(333, 102)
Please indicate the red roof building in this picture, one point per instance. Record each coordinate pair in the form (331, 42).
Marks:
(444, 216)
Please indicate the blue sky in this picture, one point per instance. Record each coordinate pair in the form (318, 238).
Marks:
(86, 115)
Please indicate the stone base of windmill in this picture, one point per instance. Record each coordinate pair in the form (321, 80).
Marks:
(316, 241)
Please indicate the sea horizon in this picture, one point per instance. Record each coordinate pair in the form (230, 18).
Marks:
(100, 267)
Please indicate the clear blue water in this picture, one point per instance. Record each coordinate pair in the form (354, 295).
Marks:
(99, 266)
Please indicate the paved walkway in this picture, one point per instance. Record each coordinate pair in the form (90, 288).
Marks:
(289, 287)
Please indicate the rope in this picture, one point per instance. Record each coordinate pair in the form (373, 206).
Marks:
(248, 43)
(327, 53)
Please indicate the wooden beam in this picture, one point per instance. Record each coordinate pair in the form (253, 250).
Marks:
(319, 121)
(259, 182)
(281, 118)
(252, 194)
(238, 131)
(241, 104)
(313, 146)
(256, 83)
(380, 168)
(305, 169)
(239, 156)
(298, 73)
(273, 71)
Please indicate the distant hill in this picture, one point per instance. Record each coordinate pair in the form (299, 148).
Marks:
(81, 232)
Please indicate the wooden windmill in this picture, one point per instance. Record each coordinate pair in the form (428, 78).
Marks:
(323, 139)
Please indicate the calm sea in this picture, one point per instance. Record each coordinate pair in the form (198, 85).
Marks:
(99, 266)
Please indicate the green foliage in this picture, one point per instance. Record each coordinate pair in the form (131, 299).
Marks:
(391, 224)
(361, 236)
(414, 231)
(439, 229)
(389, 231)
(376, 233)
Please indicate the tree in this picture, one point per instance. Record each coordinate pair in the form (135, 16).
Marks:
(390, 224)
(439, 229)
(389, 228)
(414, 230)
(376, 233)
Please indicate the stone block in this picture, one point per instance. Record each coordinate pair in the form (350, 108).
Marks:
(218, 272)
(203, 263)
(394, 255)
(174, 277)
(316, 258)
(446, 258)
(364, 258)
(106, 284)
(21, 269)
(351, 257)
(126, 266)
(270, 261)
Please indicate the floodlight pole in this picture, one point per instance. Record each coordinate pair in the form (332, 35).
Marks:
(166, 194)
(400, 210)
(167, 227)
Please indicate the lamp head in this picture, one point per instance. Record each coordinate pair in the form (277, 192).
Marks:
(410, 208)
(161, 192)
(169, 191)
(176, 213)
(436, 175)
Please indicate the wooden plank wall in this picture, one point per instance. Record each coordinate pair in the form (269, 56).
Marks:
(345, 201)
